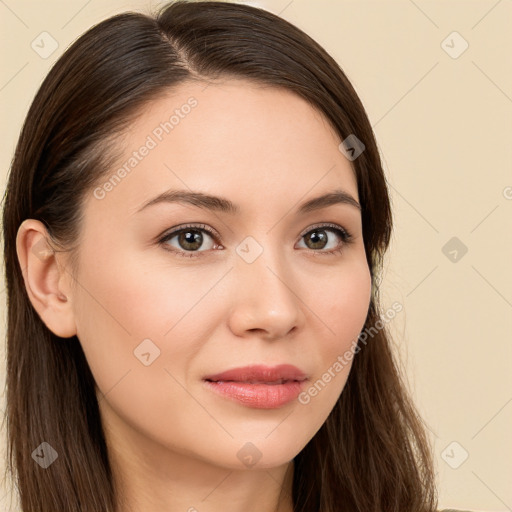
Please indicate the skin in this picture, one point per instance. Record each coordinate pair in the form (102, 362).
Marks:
(173, 443)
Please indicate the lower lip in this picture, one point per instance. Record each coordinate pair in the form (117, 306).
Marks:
(258, 396)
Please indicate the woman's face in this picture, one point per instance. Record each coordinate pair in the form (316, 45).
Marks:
(156, 316)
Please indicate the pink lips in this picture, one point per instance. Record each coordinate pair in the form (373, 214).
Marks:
(259, 386)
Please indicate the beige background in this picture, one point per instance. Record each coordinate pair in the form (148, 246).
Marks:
(444, 128)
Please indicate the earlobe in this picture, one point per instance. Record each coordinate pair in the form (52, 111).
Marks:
(45, 279)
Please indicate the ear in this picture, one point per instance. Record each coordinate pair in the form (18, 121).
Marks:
(46, 278)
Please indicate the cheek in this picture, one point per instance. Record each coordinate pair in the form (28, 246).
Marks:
(341, 304)
(129, 317)
(121, 304)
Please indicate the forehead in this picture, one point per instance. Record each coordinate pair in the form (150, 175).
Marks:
(235, 138)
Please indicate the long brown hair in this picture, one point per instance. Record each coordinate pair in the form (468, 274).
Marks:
(372, 453)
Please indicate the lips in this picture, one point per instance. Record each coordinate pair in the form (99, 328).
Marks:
(259, 374)
(259, 387)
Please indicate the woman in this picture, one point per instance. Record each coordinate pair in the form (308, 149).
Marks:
(194, 225)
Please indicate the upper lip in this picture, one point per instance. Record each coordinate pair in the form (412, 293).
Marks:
(260, 373)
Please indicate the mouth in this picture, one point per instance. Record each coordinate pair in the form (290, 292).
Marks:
(260, 374)
(258, 386)
(257, 381)
(268, 383)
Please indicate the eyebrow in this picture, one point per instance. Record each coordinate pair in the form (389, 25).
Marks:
(221, 204)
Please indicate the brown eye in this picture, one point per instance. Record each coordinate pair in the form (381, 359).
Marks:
(318, 239)
(191, 239)
(188, 239)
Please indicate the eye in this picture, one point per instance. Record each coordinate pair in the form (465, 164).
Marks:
(189, 239)
(318, 238)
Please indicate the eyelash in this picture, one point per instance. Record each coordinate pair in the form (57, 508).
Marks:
(343, 233)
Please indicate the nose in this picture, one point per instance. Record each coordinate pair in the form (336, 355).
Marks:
(266, 298)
